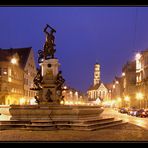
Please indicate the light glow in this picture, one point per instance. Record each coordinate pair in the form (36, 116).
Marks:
(138, 56)
(22, 101)
(127, 98)
(139, 96)
(13, 61)
(33, 101)
(123, 73)
(117, 82)
(62, 102)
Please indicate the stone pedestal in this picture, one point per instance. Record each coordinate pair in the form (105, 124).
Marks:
(49, 71)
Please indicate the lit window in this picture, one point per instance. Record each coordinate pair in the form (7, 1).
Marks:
(5, 71)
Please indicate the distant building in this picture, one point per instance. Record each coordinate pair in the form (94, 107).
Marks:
(72, 96)
(129, 83)
(17, 71)
(98, 89)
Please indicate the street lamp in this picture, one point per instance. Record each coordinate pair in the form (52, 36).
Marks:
(139, 96)
(14, 61)
(127, 98)
(138, 56)
(123, 74)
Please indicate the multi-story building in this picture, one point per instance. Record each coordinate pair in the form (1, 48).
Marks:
(17, 71)
(129, 84)
(117, 91)
(142, 77)
(72, 96)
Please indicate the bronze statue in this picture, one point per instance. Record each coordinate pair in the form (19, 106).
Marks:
(48, 96)
(59, 82)
(40, 56)
(38, 79)
(49, 44)
(37, 99)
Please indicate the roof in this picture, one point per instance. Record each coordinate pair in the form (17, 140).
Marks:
(109, 86)
(23, 53)
(94, 87)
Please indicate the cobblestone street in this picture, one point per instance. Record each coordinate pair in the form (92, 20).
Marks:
(126, 132)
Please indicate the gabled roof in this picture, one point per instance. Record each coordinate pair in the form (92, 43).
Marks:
(6, 54)
(109, 86)
(95, 87)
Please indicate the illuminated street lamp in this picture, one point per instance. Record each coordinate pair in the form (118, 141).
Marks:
(117, 82)
(14, 61)
(139, 96)
(138, 56)
(65, 87)
(127, 98)
(123, 73)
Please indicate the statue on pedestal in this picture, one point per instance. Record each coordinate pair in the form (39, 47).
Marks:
(49, 44)
(48, 81)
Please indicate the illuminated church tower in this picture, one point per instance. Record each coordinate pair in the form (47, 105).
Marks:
(96, 74)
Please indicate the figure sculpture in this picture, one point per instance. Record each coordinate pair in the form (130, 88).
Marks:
(40, 56)
(59, 82)
(38, 79)
(49, 44)
(48, 96)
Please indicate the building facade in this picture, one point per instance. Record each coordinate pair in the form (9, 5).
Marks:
(72, 96)
(142, 78)
(17, 71)
(129, 84)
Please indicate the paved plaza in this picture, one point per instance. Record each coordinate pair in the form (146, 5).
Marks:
(127, 132)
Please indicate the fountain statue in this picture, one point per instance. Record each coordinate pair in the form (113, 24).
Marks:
(48, 82)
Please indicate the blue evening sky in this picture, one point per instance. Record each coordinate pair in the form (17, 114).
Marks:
(85, 35)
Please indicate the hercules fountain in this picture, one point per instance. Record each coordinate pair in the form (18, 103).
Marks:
(48, 113)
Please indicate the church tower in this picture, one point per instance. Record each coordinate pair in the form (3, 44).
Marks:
(96, 74)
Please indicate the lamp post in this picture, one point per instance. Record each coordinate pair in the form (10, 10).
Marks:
(139, 96)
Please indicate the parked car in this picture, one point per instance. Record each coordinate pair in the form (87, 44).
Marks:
(132, 111)
(123, 110)
(142, 113)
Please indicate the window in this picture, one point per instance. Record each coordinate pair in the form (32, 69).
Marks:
(100, 93)
(0, 71)
(5, 71)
